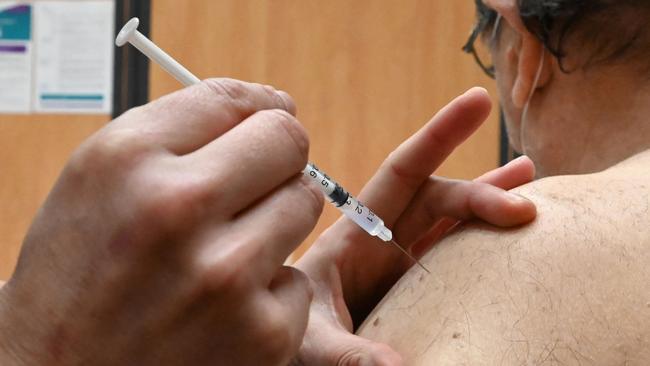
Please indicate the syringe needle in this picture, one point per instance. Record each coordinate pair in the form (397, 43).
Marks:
(410, 256)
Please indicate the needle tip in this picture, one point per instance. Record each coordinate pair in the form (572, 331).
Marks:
(410, 256)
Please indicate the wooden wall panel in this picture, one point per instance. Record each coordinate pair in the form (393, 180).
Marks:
(33, 150)
(365, 74)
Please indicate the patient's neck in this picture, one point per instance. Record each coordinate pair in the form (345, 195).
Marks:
(617, 114)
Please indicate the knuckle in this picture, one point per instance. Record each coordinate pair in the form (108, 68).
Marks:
(289, 103)
(289, 126)
(232, 89)
(223, 278)
(312, 199)
(392, 166)
(226, 274)
(174, 204)
(269, 91)
(117, 149)
(280, 99)
(440, 139)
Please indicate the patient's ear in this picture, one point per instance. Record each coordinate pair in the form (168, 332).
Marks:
(529, 60)
(524, 54)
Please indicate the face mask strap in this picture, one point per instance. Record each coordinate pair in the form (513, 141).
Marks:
(495, 29)
(524, 113)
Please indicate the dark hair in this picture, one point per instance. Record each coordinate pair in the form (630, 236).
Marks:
(609, 29)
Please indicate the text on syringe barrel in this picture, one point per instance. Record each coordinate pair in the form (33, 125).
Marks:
(350, 206)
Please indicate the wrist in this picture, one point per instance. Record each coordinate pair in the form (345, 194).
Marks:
(13, 351)
(7, 353)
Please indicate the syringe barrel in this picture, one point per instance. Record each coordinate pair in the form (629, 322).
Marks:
(347, 204)
(332, 190)
(364, 217)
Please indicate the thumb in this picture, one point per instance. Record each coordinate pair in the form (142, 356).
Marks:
(358, 351)
(332, 346)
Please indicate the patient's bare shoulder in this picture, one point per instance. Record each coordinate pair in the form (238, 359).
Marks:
(573, 288)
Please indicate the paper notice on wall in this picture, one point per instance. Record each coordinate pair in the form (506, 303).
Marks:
(15, 57)
(74, 62)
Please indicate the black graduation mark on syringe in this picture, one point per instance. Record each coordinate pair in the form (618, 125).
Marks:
(339, 196)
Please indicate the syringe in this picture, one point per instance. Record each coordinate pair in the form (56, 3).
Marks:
(348, 205)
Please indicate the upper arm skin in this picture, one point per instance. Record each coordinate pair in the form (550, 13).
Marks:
(572, 288)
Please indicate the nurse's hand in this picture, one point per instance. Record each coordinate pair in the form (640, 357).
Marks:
(353, 271)
(164, 239)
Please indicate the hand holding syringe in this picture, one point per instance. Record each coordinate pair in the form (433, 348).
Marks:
(347, 204)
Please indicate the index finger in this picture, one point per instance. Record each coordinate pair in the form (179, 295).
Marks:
(392, 188)
(185, 121)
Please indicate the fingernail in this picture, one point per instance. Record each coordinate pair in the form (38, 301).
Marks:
(521, 158)
(516, 198)
(479, 89)
(289, 104)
